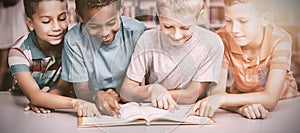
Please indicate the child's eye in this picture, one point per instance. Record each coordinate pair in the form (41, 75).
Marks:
(111, 23)
(228, 21)
(243, 21)
(62, 18)
(185, 28)
(46, 21)
(93, 26)
(167, 27)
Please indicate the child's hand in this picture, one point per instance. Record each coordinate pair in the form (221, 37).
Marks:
(36, 109)
(207, 106)
(253, 111)
(114, 94)
(84, 108)
(161, 98)
(107, 103)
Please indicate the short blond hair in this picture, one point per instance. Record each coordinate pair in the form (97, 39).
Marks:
(261, 5)
(179, 7)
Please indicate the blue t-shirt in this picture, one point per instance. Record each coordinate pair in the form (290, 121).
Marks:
(85, 59)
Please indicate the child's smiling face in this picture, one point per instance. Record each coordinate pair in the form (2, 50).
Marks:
(244, 23)
(103, 23)
(49, 22)
(177, 27)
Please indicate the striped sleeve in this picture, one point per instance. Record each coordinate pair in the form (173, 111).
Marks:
(282, 53)
(18, 60)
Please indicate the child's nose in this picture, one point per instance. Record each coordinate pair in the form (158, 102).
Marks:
(178, 35)
(104, 31)
(235, 27)
(56, 26)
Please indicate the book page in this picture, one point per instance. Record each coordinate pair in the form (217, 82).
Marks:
(179, 115)
(151, 112)
(129, 113)
(101, 121)
(135, 113)
(132, 111)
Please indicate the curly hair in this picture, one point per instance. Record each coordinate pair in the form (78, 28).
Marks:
(84, 5)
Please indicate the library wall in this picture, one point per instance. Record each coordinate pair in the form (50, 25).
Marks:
(286, 14)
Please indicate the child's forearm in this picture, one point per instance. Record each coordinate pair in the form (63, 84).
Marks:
(190, 94)
(82, 91)
(237, 100)
(268, 97)
(135, 93)
(231, 109)
(86, 94)
(60, 88)
(184, 97)
(51, 101)
(39, 98)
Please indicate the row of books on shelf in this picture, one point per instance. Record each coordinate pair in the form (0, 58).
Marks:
(148, 16)
(215, 15)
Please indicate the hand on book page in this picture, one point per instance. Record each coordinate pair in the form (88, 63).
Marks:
(135, 113)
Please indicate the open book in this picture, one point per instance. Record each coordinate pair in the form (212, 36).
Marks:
(135, 113)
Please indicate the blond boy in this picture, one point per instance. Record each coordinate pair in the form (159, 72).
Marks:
(178, 60)
(259, 55)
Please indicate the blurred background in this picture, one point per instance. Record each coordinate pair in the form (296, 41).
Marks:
(285, 14)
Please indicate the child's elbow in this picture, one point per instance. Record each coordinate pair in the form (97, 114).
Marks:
(271, 104)
(124, 96)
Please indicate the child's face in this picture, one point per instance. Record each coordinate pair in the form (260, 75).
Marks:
(244, 23)
(102, 23)
(49, 22)
(178, 29)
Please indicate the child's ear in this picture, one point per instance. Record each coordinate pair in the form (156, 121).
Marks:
(266, 18)
(80, 19)
(122, 7)
(29, 23)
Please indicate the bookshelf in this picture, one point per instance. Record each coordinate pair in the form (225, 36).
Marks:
(215, 13)
(144, 10)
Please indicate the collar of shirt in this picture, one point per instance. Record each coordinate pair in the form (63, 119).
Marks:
(38, 54)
